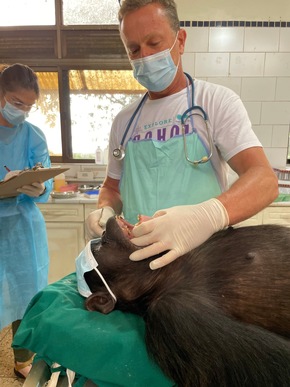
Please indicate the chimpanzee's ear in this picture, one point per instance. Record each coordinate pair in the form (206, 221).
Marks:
(100, 301)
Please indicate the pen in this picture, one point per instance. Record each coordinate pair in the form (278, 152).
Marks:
(7, 169)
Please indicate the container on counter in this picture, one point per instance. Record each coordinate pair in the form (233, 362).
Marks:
(92, 194)
(99, 156)
(59, 181)
(282, 173)
(284, 188)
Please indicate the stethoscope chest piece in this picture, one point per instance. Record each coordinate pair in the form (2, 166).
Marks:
(119, 153)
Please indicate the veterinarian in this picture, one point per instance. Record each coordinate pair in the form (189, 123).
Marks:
(23, 240)
(169, 152)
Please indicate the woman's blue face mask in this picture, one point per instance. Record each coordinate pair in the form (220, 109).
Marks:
(155, 72)
(13, 115)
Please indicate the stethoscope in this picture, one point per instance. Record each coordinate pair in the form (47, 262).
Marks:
(194, 110)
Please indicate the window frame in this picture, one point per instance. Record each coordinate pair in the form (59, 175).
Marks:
(64, 48)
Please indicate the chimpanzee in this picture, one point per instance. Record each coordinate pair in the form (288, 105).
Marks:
(218, 316)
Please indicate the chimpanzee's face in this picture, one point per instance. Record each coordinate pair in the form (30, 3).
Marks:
(112, 255)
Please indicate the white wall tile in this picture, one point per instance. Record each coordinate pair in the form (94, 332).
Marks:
(225, 39)
(258, 89)
(276, 156)
(255, 63)
(254, 111)
(275, 113)
(277, 64)
(280, 136)
(284, 40)
(233, 83)
(233, 10)
(261, 39)
(264, 134)
(247, 64)
(188, 63)
(197, 39)
(211, 64)
(283, 89)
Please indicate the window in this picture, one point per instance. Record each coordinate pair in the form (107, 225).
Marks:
(96, 96)
(47, 116)
(90, 12)
(92, 99)
(27, 13)
(84, 74)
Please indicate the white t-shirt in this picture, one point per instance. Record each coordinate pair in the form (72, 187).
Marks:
(229, 125)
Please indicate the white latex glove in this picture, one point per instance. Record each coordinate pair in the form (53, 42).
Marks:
(178, 229)
(34, 190)
(96, 221)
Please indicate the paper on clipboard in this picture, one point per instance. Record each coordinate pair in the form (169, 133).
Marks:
(8, 188)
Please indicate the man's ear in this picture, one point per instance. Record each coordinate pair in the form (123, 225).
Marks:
(100, 301)
(181, 39)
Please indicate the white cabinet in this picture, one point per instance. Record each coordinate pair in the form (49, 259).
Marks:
(65, 241)
(65, 231)
(277, 215)
(270, 215)
(253, 221)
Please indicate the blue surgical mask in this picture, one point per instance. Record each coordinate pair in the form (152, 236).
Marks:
(86, 262)
(13, 115)
(155, 72)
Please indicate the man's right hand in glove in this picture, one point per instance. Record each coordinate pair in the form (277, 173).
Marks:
(96, 222)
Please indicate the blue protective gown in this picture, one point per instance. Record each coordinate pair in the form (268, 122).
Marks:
(24, 255)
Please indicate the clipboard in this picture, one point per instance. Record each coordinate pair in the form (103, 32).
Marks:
(8, 188)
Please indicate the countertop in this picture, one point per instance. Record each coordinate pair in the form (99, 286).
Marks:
(79, 199)
(280, 204)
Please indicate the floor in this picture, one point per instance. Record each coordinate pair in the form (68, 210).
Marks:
(7, 377)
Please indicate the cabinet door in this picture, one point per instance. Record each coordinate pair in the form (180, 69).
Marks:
(277, 215)
(65, 241)
(253, 221)
(56, 212)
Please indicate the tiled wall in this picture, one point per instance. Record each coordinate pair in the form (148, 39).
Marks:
(253, 59)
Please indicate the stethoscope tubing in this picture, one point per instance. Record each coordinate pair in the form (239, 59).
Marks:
(119, 153)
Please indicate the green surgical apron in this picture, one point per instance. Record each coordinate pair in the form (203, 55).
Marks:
(156, 176)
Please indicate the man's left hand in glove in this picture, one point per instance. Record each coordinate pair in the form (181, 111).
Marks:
(178, 229)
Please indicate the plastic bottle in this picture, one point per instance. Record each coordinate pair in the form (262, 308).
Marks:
(105, 155)
(59, 181)
(99, 156)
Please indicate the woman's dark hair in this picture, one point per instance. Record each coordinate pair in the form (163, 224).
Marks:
(18, 76)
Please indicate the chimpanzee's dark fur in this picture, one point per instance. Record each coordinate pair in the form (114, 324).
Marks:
(217, 317)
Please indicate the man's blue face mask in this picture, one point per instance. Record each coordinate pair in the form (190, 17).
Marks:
(86, 262)
(155, 72)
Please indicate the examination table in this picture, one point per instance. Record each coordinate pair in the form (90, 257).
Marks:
(103, 350)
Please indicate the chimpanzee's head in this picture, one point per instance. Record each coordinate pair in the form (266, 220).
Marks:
(117, 282)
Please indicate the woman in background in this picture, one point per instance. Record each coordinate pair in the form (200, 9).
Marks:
(23, 240)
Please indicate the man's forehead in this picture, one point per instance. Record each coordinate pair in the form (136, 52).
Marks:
(151, 36)
(144, 20)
